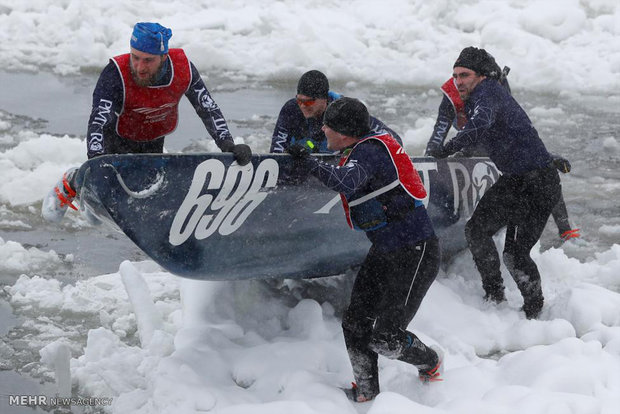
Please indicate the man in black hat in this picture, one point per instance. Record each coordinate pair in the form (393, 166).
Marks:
(523, 197)
(451, 112)
(452, 108)
(301, 118)
(382, 195)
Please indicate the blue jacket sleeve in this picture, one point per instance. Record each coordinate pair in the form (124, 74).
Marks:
(281, 138)
(207, 109)
(347, 179)
(107, 104)
(368, 166)
(482, 118)
(445, 118)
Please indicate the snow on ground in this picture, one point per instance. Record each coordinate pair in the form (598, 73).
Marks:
(232, 347)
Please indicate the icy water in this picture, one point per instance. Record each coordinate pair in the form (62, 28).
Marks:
(584, 129)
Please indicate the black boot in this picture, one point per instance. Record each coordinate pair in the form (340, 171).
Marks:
(533, 306)
(496, 296)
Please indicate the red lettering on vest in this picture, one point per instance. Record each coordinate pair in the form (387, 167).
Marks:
(153, 111)
(452, 93)
(408, 176)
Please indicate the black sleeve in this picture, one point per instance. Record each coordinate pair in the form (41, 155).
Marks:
(107, 104)
(445, 118)
(206, 108)
(283, 131)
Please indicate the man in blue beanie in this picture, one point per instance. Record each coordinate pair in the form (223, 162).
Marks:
(135, 105)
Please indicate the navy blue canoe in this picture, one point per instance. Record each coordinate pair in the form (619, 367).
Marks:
(203, 216)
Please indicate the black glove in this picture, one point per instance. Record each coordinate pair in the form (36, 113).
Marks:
(298, 151)
(433, 143)
(437, 152)
(464, 153)
(241, 152)
(561, 164)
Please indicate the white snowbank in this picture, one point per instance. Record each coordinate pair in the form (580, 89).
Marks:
(246, 346)
(551, 45)
(32, 168)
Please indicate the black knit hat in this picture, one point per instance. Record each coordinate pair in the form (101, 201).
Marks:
(313, 84)
(348, 116)
(478, 60)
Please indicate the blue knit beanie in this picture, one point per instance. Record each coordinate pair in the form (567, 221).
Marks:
(150, 38)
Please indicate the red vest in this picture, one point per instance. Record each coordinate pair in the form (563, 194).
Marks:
(452, 93)
(408, 177)
(153, 111)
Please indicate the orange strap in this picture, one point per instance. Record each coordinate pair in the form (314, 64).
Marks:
(70, 193)
(570, 234)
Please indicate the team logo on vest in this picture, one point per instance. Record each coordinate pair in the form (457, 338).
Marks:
(155, 114)
(221, 199)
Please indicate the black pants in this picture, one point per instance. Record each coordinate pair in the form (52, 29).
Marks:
(522, 204)
(386, 295)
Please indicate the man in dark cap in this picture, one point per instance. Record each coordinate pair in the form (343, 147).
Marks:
(451, 112)
(452, 107)
(301, 118)
(135, 105)
(523, 197)
(382, 195)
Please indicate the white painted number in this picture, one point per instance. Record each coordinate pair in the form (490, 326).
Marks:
(239, 194)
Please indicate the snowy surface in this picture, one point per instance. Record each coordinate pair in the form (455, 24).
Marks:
(249, 346)
(157, 343)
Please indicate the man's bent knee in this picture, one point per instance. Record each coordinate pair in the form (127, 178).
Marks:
(390, 344)
(474, 232)
(356, 326)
